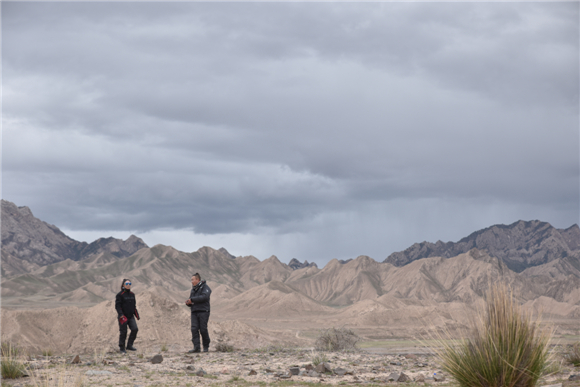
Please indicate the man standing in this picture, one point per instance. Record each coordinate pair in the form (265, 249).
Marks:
(198, 301)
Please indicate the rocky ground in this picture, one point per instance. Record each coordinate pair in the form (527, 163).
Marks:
(264, 367)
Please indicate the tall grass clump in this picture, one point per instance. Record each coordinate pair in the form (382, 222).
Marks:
(10, 363)
(506, 348)
(336, 339)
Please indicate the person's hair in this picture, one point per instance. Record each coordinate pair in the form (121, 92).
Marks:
(196, 275)
(123, 283)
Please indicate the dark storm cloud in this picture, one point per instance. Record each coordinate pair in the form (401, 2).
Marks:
(284, 118)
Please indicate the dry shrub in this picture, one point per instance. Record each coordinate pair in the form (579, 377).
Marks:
(334, 339)
(573, 355)
(507, 348)
(223, 344)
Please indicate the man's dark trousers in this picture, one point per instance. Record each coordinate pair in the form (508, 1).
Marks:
(199, 326)
(132, 324)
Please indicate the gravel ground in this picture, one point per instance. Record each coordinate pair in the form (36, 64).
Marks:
(241, 368)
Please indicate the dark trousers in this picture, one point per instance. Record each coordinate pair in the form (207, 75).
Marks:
(132, 324)
(199, 326)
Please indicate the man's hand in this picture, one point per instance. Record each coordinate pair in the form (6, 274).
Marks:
(188, 302)
(122, 320)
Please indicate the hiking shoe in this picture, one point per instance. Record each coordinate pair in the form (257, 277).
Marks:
(205, 349)
(195, 350)
(122, 350)
(131, 348)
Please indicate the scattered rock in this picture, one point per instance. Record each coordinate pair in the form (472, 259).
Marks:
(393, 377)
(200, 372)
(323, 367)
(339, 371)
(76, 360)
(420, 378)
(190, 368)
(312, 374)
(439, 378)
(403, 378)
(294, 370)
(574, 377)
(396, 363)
(252, 373)
(308, 367)
(411, 356)
(157, 359)
(422, 364)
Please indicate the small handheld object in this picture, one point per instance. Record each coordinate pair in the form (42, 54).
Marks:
(123, 320)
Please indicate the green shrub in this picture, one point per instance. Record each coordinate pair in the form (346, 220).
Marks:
(47, 352)
(573, 355)
(334, 339)
(12, 366)
(9, 349)
(506, 348)
(318, 358)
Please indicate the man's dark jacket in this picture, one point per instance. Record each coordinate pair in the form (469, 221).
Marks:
(200, 297)
(125, 304)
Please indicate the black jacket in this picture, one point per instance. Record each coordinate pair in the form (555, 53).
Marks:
(125, 304)
(200, 297)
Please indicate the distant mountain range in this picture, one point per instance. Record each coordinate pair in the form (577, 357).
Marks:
(29, 243)
(520, 245)
(409, 293)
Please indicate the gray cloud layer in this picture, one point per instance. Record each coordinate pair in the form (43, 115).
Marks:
(319, 130)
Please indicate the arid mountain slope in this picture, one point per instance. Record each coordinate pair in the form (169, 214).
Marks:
(28, 243)
(520, 245)
(74, 330)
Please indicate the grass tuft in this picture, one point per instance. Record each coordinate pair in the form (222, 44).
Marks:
(318, 358)
(47, 352)
(10, 363)
(573, 355)
(505, 349)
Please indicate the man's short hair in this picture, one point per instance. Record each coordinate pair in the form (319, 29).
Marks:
(196, 275)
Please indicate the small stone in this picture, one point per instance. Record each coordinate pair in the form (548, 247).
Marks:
(393, 377)
(252, 373)
(339, 371)
(320, 368)
(201, 372)
(308, 367)
(76, 360)
(157, 359)
(574, 377)
(403, 378)
(439, 378)
(294, 370)
(420, 378)
(312, 374)
(411, 356)
(190, 368)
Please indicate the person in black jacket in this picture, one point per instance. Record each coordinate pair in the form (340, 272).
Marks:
(198, 301)
(126, 307)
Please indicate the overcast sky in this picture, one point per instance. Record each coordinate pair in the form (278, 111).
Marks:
(313, 131)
